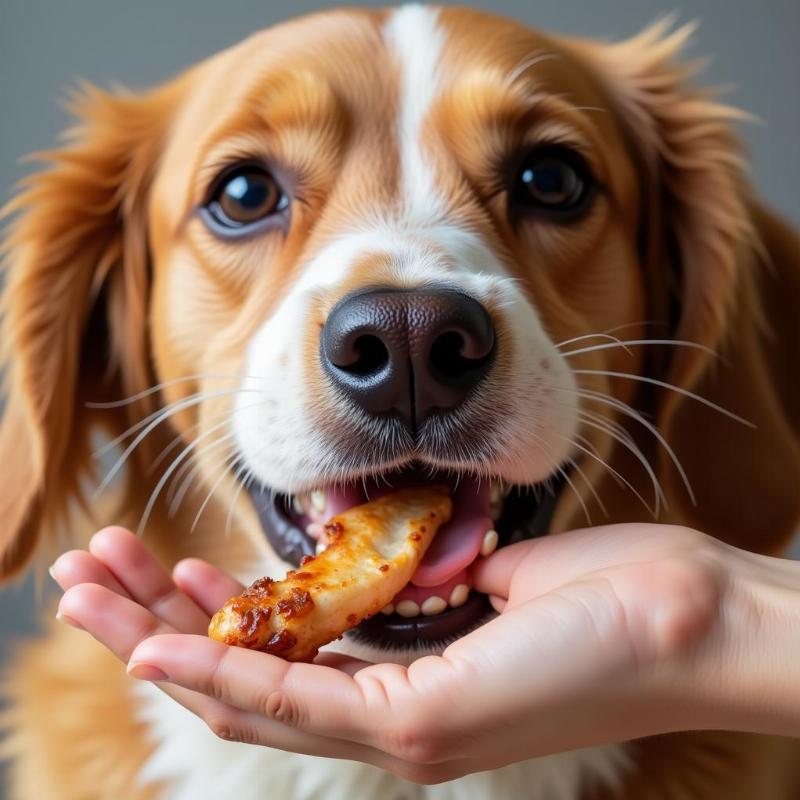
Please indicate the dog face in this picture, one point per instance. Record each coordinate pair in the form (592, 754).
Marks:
(368, 248)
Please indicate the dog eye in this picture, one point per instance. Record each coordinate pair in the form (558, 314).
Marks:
(245, 196)
(554, 180)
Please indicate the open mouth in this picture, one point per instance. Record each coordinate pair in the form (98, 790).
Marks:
(439, 604)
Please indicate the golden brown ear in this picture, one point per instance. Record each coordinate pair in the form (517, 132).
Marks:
(725, 273)
(74, 306)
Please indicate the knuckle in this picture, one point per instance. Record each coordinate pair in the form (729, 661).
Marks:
(279, 706)
(160, 601)
(416, 740)
(213, 684)
(688, 590)
(221, 727)
(232, 728)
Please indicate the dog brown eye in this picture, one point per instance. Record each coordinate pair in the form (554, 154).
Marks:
(554, 180)
(244, 197)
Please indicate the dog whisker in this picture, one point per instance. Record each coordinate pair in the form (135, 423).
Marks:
(615, 473)
(601, 397)
(666, 385)
(181, 437)
(580, 472)
(192, 465)
(101, 451)
(137, 426)
(601, 424)
(189, 472)
(605, 334)
(173, 444)
(177, 461)
(228, 465)
(561, 471)
(564, 475)
(637, 342)
(566, 342)
(243, 470)
(162, 415)
(159, 386)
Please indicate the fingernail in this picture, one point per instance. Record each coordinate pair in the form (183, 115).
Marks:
(147, 672)
(69, 621)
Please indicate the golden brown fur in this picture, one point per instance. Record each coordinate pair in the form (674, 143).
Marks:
(112, 286)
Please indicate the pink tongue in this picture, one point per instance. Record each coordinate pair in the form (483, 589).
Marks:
(458, 543)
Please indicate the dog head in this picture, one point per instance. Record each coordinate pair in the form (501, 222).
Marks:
(364, 248)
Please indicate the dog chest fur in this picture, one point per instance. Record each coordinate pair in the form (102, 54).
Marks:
(196, 765)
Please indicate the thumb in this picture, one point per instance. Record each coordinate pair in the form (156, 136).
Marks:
(536, 566)
(494, 575)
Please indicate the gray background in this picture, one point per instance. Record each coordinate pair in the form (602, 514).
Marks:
(45, 46)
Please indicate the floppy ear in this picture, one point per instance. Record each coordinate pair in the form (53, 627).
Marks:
(725, 273)
(74, 306)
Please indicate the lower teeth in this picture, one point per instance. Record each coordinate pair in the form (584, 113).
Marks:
(433, 605)
(407, 608)
(459, 595)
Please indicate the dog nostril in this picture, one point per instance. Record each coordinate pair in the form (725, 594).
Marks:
(454, 358)
(368, 356)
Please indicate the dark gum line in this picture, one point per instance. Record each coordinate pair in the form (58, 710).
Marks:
(394, 629)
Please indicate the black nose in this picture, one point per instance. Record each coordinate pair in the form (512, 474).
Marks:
(407, 351)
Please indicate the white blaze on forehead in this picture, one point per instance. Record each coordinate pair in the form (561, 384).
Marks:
(415, 38)
(282, 439)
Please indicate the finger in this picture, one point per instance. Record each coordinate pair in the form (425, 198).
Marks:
(314, 698)
(341, 662)
(233, 724)
(537, 566)
(208, 586)
(494, 575)
(146, 581)
(120, 624)
(78, 566)
(117, 622)
(497, 603)
(277, 728)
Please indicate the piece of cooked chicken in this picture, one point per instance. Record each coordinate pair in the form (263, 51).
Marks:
(372, 553)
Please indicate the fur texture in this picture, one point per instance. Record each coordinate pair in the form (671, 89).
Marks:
(392, 130)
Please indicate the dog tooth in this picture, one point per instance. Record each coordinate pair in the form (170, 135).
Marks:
(297, 505)
(314, 530)
(489, 544)
(387, 609)
(495, 493)
(459, 595)
(407, 608)
(321, 547)
(433, 605)
(318, 500)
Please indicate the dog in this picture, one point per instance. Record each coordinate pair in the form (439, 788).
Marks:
(367, 244)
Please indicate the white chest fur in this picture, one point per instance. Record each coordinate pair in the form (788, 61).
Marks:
(196, 765)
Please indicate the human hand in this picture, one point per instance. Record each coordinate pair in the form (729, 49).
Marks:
(605, 634)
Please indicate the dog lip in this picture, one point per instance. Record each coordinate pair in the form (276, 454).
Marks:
(526, 514)
(287, 540)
